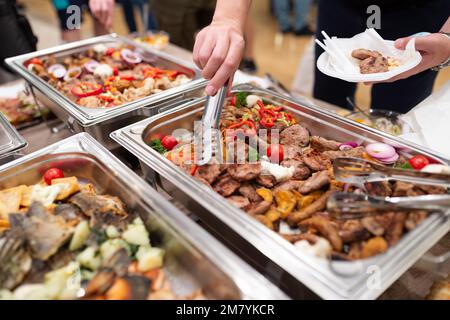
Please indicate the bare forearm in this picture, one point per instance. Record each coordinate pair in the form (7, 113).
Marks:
(233, 12)
(446, 26)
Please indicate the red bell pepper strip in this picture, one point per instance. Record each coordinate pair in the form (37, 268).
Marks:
(86, 89)
(194, 169)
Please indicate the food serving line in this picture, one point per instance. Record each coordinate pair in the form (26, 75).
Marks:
(131, 125)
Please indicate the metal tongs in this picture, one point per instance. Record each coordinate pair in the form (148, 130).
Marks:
(358, 172)
(210, 123)
(346, 205)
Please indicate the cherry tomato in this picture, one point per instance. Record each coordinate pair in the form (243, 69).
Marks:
(169, 142)
(53, 173)
(115, 71)
(33, 61)
(109, 51)
(233, 101)
(419, 162)
(275, 153)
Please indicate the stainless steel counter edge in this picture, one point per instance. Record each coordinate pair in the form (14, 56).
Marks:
(84, 115)
(252, 284)
(333, 288)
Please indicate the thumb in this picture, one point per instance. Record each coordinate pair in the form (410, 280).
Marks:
(402, 42)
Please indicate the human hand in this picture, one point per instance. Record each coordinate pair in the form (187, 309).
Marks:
(103, 10)
(218, 50)
(434, 48)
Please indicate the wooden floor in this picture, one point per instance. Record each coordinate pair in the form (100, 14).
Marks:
(274, 53)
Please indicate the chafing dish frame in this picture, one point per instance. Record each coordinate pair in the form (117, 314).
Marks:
(276, 258)
(184, 241)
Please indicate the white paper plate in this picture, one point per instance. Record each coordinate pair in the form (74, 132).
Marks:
(408, 60)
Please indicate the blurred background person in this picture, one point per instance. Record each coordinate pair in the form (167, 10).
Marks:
(301, 11)
(16, 37)
(248, 63)
(101, 10)
(143, 6)
(182, 19)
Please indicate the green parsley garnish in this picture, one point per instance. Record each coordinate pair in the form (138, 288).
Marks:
(156, 145)
(241, 99)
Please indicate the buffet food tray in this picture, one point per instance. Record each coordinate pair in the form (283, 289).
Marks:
(83, 119)
(300, 275)
(193, 258)
(11, 142)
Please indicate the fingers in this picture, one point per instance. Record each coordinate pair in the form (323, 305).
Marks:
(217, 57)
(228, 67)
(199, 40)
(206, 50)
(103, 10)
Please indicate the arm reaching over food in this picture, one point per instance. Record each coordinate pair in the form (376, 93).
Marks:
(103, 10)
(434, 48)
(219, 47)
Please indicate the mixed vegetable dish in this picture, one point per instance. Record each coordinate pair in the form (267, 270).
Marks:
(103, 77)
(61, 239)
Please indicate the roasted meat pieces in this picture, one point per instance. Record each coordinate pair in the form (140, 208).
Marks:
(296, 135)
(371, 61)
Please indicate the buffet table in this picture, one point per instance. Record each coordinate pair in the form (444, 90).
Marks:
(414, 284)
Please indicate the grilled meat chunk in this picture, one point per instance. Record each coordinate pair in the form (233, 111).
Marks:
(292, 152)
(363, 54)
(301, 170)
(353, 230)
(258, 208)
(320, 204)
(317, 181)
(239, 201)
(288, 185)
(244, 172)
(295, 135)
(248, 191)
(267, 181)
(316, 161)
(374, 65)
(379, 189)
(395, 230)
(414, 219)
(326, 228)
(322, 144)
(208, 172)
(352, 153)
(226, 186)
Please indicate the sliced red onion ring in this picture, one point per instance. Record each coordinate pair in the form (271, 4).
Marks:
(91, 65)
(147, 56)
(380, 150)
(57, 70)
(72, 73)
(347, 145)
(389, 160)
(130, 56)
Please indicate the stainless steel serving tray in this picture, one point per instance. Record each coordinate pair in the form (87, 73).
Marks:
(82, 119)
(11, 142)
(298, 274)
(193, 258)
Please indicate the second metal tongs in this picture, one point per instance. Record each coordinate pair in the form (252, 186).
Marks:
(209, 125)
(346, 205)
(358, 172)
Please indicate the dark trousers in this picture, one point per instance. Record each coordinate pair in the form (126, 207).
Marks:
(16, 36)
(345, 18)
(182, 19)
